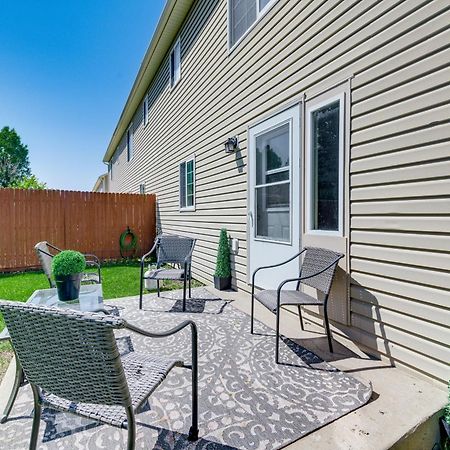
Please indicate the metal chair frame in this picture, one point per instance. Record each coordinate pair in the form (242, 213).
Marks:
(187, 267)
(299, 281)
(91, 261)
(97, 323)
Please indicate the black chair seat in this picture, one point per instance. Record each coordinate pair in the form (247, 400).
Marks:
(269, 299)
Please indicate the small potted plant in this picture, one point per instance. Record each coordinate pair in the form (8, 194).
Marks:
(222, 275)
(68, 267)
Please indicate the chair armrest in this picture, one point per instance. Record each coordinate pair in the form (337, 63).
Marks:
(275, 265)
(53, 247)
(181, 326)
(91, 258)
(188, 258)
(144, 257)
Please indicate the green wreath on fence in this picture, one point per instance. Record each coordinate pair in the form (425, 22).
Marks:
(128, 243)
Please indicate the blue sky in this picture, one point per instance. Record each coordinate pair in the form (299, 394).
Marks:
(66, 68)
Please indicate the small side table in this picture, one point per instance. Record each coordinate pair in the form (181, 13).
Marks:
(90, 299)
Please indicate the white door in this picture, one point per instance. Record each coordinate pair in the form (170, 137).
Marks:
(274, 197)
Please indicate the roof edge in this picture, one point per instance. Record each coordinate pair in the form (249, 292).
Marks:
(170, 21)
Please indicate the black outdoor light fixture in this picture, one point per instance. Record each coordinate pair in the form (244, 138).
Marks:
(231, 144)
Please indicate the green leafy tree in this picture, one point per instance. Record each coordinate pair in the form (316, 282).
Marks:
(29, 182)
(223, 266)
(14, 163)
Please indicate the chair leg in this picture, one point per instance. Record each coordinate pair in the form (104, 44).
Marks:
(141, 286)
(12, 397)
(36, 418)
(300, 315)
(252, 309)
(193, 431)
(131, 427)
(157, 288)
(327, 327)
(190, 282)
(184, 291)
(277, 337)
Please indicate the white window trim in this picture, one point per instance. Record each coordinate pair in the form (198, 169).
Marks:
(309, 177)
(259, 16)
(130, 154)
(185, 161)
(145, 111)
(176, 80)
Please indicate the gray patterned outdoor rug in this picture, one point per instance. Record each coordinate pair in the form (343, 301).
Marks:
(246, 400)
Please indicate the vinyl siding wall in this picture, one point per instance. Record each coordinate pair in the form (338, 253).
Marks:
(396, 57)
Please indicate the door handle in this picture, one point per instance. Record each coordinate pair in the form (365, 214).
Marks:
(250, 215)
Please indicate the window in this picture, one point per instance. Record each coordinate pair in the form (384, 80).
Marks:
(142, 188)
(110, 165)
(325, 141)
(243, 14)
(145, 111)
(187, 185)
(175, 64)
(130, 143)
(273, 186)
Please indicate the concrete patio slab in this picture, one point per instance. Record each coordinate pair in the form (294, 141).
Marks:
(402, 413)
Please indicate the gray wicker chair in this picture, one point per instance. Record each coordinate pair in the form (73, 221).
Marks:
(72, 362)
(46, 251)
(317, 271)
(170, 249)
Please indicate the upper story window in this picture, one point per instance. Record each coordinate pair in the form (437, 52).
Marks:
(175, 63)
(130, 143)
(187, 185)
(145, 111)
(243, 14)
(110, 165)
(325, 166)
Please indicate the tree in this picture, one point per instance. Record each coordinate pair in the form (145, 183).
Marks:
(14, 163)
(29, 182)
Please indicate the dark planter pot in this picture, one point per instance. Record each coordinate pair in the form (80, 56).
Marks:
(445, 433)
(68, 287)
(222, 283)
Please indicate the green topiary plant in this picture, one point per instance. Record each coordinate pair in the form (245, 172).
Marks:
(447, 408)
(68, 262)
(223, 266)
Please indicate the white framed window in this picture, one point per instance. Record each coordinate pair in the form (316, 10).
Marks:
(145, 111)
(130, 143)
(110, 166)
(175, 63)
(325, 130)
(187, 185)
(243, 15)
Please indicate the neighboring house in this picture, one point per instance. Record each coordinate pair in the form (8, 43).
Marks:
(101, 185)
(341, 111)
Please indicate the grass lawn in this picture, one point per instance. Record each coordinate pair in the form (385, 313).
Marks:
(118, 280)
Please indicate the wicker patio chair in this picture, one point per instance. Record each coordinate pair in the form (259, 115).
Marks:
(72, 362)
(46, 251)
(317, 271)
(175, 250)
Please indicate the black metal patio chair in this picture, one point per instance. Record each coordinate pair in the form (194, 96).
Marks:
(46, 251)
(175, 250)
(317, 271)
(72, 362)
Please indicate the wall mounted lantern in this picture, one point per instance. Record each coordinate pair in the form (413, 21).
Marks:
(231, 145)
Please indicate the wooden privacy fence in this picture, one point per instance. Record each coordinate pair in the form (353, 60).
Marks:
(90, 222)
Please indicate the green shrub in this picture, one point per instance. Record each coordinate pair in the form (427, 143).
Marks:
(223, 266)
(68, 262)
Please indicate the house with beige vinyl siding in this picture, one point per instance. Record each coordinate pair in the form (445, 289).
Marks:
(341, 113)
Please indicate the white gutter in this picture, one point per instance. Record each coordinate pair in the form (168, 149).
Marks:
(172, 17)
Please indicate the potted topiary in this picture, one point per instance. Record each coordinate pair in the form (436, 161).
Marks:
(68, 267)
(222, 275)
